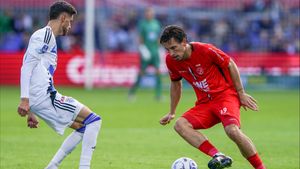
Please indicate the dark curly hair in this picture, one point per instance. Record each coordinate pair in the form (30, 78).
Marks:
(172, 31)
(59, 7)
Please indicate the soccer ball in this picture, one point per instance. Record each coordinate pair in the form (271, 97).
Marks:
(184, 163)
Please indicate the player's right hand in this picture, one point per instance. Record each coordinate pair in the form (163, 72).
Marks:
(166, 119)
(23, 107)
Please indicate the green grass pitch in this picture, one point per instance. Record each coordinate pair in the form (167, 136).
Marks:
(131, 137)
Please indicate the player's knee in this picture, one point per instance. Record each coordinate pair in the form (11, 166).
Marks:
(233, 131)
(180, 126)
(92, 118)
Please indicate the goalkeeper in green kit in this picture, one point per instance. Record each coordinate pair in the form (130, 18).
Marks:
(149, 31)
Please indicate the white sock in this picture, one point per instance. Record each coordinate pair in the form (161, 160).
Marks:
(89, 142)
(66, 148)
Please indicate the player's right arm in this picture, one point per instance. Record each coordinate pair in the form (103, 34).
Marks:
(175, 91)
(175, 94)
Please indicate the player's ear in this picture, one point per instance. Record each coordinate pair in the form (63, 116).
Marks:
(62, 17)
(184, 41)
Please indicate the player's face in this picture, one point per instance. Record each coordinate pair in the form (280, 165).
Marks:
(66, 24)
(177, 50)
(149, 14)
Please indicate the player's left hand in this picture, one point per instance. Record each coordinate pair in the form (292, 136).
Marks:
(248, 101)
(32, 121)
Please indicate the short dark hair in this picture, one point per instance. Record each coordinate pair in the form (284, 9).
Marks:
(172, 31)
(59, 7)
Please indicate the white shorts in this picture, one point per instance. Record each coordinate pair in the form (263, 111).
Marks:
(60, 114)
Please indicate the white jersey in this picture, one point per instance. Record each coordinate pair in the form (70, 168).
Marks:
(39, 64)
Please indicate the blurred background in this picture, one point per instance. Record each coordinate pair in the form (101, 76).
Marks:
(261, 35)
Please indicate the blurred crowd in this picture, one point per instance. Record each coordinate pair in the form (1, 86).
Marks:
(259, 27)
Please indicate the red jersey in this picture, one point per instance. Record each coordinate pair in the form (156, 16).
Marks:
(206, 70)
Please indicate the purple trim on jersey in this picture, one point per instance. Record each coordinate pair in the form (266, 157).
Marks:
(51, 69)
(91, 118)
(54, 50)
(51, 87)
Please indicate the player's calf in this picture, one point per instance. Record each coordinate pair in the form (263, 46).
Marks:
(92, 125)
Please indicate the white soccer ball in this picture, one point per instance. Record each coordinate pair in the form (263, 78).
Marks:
(184, 163)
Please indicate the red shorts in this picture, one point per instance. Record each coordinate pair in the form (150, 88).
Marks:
(224, 108)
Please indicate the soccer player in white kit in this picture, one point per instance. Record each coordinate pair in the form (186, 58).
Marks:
(40, 98)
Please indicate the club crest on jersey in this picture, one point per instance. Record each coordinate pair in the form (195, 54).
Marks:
(199, 70)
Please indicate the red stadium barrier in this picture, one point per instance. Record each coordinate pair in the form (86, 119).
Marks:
(114, 69)
(120, 69)
(267, 63)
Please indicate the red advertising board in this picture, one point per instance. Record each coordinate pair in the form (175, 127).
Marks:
(120, 69)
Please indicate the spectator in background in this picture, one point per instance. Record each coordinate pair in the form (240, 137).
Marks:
(6, 31)
(263, 26)
(149, 30)
(6, 21)
(12, 42)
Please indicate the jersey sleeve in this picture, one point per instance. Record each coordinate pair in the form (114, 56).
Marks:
(218, 57)
(173, 73)
(29, 63)
(31, 58)
(222, 60)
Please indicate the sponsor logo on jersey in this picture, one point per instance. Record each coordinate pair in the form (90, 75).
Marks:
(69, 100)
(44, 49)
(203, 85)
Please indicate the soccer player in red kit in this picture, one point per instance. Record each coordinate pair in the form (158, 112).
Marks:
(220, 93)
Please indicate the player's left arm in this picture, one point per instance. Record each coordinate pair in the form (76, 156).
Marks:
(246, 100)
(223, 61)
(29, 63)
(32, 121)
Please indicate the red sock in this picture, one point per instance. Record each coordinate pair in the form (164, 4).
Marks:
(208, 148)
(256, 162)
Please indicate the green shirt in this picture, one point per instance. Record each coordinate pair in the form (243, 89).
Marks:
(149, 31)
